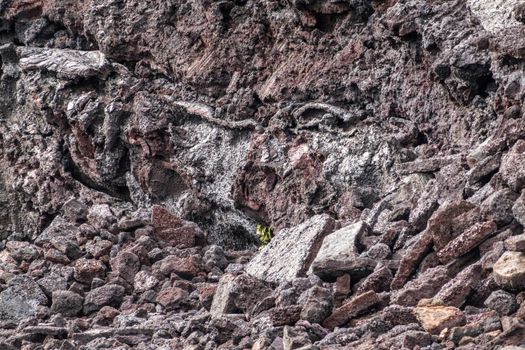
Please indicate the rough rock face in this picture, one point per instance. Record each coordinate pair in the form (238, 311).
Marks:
(142, 142)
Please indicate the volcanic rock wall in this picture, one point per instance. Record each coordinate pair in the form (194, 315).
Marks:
(143, 141)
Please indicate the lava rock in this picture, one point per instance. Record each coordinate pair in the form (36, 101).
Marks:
(66, 303)
(502, 302)
(108, 295)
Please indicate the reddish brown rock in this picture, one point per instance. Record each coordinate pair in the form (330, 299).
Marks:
(162, 218)
(87, 269)
(173, 231)
(126, 265)
(440, 223)
(171, 298)
(411, 259)
(459, 288)
(425, 285)
(467, 241)
(351, 309)
(187, 267)
(285, 315)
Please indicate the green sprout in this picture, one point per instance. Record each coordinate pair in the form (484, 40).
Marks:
(265, 234)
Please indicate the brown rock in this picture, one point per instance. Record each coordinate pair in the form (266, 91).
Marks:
(440, 223)
(459, 288)
(351, 309)
(285, 315)
(126, 265)
(498, 207)
(467, 241)
(436, 318)
(342, 287)
(412, 258)
(512, 166)
(187, 267)
(515, 243)
(182, 237)
(87, 269)
(162, 218)
(425, 285)
(509, 270)
(171, 298)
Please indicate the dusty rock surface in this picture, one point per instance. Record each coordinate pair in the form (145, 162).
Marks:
(142, 142)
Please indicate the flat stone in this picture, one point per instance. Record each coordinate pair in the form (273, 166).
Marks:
(223, 301)
(357, 267)
(351, 309)
(509, 270)
(467, 241)
(434, 319)
(291, 252)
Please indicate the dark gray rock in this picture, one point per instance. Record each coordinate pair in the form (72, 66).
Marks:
(108, 295)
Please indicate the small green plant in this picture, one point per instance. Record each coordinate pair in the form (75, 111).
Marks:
(265, 234)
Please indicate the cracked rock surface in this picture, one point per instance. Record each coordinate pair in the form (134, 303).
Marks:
(143, 142)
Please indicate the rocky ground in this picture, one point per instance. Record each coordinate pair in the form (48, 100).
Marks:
(143, 141)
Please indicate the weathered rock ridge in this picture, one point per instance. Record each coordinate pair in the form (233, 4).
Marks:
(142, 142)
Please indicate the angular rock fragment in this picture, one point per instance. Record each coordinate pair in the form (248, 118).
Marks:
(412, 258)
(351, 309)
(171, 298)
(467, 241)
(66, 303)
(518, 209)
(436, 318)
(108, 295)
(455, 292)
(509, 270)
(341, 245)
(515, 243)
(512, 169)
(441, 222)
(317, 304)
(425, 285)
(291, 252)
(21, 299)
(498, 207)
